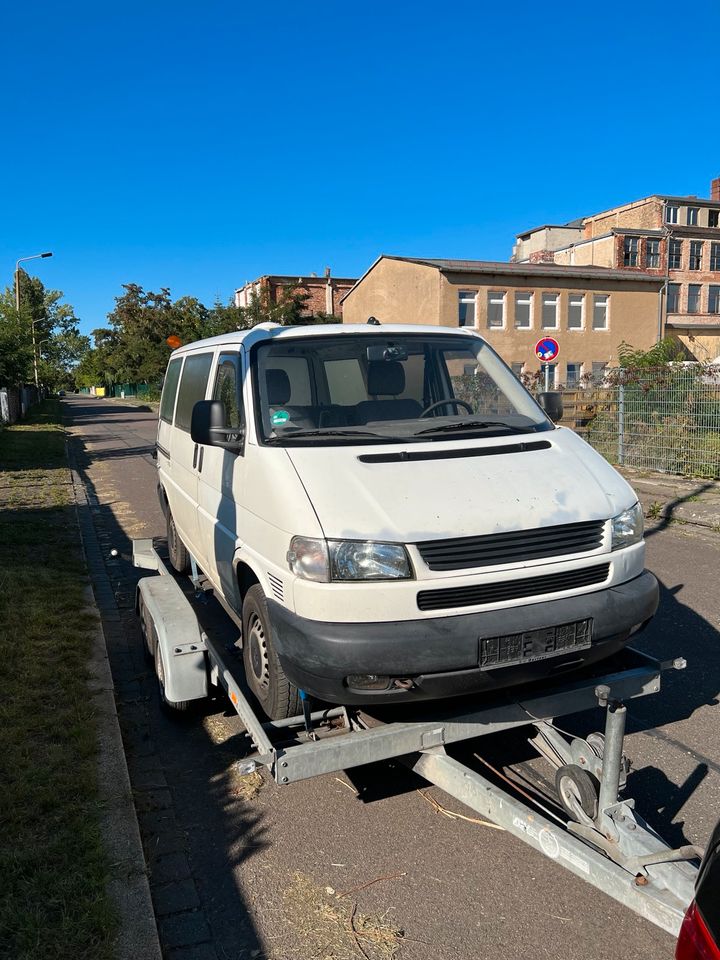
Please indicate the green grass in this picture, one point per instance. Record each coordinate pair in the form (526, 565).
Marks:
(53, 900)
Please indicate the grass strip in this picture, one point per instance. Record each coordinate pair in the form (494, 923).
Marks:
(53, 872)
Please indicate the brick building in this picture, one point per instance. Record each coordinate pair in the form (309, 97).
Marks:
(588, 310)
(325, 293)
(676, 238)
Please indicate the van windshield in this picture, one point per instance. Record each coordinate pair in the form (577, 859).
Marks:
(370, 388)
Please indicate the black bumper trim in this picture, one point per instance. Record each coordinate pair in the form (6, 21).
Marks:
(441, 654)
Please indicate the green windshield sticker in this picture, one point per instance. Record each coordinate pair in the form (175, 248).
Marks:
(279, 418)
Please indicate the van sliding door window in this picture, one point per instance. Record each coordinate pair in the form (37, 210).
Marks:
(169, 392)
(193, 385)
(227, 388)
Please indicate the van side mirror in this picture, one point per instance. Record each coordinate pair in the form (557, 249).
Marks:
(209, 426)
(551, 403)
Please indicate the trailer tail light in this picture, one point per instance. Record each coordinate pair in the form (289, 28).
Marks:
(695, 941)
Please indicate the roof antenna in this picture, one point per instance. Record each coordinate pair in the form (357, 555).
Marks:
(373, 321)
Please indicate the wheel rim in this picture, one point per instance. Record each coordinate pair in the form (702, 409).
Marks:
(259, 661)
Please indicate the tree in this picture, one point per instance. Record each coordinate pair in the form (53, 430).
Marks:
(55, 328)
(668, 350)
(134, 347)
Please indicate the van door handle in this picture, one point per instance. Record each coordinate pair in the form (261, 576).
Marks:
(195, 453)
(200, 462)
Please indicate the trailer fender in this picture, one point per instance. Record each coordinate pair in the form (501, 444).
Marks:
(171, 625)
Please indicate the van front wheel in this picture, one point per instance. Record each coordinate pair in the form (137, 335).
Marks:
(265, 676)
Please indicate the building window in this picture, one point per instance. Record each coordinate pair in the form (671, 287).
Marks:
(576, 309)
(466, 308)
(671, 214)
(523, 310)
(713, 299)
(675, 255)
(694, 297)
(496, 309)
(573, 375)
(715, 256)
(550, 310)
(692, 216)
(600, 311)
(598, 370)
(652, 253)
(517, 369)
(673, 298)
(713, 218)
(630, 251)
(696, 255)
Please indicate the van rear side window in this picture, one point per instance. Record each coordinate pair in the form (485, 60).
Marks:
(167, 404)
(193, 385)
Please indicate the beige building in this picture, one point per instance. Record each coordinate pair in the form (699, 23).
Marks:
(588, 310)
(677, 238)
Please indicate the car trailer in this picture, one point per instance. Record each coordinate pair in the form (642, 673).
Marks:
(603, 841)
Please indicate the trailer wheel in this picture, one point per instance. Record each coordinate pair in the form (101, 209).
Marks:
(179, 557)
(578, 791)
(170, 706)
(265, 676)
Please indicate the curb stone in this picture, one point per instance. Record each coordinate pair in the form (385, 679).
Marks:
(128, 885)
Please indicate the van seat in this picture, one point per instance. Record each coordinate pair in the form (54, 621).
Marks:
(387, 378)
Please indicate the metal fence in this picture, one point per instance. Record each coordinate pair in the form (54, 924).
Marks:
(666, 420)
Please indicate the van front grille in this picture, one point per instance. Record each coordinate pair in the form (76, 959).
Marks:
(517, 546)
(477, 594)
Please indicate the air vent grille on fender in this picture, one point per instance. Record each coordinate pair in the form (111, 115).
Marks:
(276, 585)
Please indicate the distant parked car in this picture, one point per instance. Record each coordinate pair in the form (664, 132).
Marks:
(61, 393)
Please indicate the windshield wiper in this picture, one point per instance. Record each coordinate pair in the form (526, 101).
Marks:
(320, 432)
(475, 425)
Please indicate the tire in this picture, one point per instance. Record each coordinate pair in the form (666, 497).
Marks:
(171, 707)
(265, 676)
(578, 791)
(179, 557)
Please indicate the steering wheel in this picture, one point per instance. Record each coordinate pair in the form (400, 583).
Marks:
(445, 403)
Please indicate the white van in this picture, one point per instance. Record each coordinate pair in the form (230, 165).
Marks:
(391, 517)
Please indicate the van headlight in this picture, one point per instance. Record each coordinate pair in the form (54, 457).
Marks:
(627, 527)
(347, 560)
(366, 560)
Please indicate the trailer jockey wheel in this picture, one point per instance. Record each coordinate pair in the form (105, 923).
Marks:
(578, 791)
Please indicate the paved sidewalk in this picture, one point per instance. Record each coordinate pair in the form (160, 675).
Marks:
(668, 499)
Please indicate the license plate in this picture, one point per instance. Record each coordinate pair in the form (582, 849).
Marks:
(534, 645)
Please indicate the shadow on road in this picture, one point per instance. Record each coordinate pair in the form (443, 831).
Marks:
(194, 812)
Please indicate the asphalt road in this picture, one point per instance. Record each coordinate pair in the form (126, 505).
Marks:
(241, 876)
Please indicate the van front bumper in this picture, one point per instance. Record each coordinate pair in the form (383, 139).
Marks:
(441, 656)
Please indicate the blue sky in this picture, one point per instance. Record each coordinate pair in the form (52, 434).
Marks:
(198, 145)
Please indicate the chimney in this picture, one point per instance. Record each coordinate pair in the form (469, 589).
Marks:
(327, 269)
(715, 189)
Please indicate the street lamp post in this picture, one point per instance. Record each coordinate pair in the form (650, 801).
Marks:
(35, 256)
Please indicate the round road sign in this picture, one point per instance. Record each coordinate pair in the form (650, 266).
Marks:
(547, 349)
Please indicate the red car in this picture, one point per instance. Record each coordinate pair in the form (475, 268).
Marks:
(700, 933)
